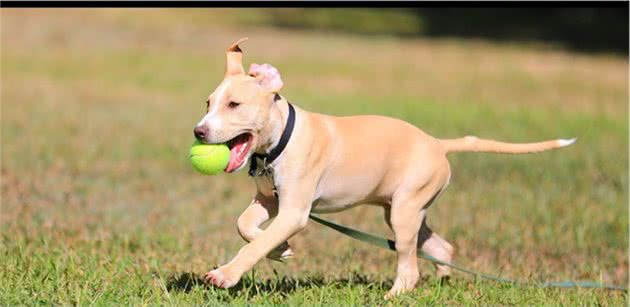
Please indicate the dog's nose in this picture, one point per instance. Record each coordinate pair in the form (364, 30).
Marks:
(201, 132)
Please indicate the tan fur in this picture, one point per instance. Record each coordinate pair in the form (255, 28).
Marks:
(471, 143)
(331, 164)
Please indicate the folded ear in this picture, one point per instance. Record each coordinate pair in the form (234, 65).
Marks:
(267, 76)
(234, 64)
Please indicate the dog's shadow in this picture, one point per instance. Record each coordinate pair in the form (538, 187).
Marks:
(186, 282)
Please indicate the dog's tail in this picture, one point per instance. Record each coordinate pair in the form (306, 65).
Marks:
(474, 144)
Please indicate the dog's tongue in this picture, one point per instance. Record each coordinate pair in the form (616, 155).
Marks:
(237, 154)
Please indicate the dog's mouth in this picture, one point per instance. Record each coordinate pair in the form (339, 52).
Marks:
(239, 149)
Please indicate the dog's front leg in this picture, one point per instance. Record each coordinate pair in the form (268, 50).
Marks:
(292, 217)
(262, 208)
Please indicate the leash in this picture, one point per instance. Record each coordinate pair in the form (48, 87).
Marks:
(389, 244)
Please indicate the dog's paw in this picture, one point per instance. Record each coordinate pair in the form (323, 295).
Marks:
(392, 293)
(219, 279)
(402, 284)
(281, 253)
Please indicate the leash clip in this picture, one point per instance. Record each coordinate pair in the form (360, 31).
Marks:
(265, 170)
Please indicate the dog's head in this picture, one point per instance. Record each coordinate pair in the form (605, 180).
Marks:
(238, 109)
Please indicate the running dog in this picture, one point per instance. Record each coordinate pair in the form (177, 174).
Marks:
(318, 163)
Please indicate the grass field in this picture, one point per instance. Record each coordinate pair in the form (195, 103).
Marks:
(100, 205)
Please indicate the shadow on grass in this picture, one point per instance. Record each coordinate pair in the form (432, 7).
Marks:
(185, 282)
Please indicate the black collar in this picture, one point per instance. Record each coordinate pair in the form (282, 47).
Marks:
(276, 151)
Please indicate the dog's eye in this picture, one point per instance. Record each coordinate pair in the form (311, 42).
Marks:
(233, 105)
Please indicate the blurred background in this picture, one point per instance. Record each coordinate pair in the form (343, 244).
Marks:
(581, 29)
(99, 201)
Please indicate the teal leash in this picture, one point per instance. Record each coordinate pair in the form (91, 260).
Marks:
(389, 244)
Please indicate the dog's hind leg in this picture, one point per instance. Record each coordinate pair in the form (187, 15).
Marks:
(407, 214)
(405, 226)
(259, 211)
(433, 245)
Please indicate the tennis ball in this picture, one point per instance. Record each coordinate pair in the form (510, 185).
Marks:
(209, 159)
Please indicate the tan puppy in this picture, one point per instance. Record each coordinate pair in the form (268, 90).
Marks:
(331, 164)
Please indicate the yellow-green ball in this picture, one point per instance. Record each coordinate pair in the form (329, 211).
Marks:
(209, 159)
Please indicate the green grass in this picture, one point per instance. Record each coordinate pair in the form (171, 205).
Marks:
(100, 205)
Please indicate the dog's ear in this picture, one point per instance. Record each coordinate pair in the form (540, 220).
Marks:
(267, 76)
(234, 64)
